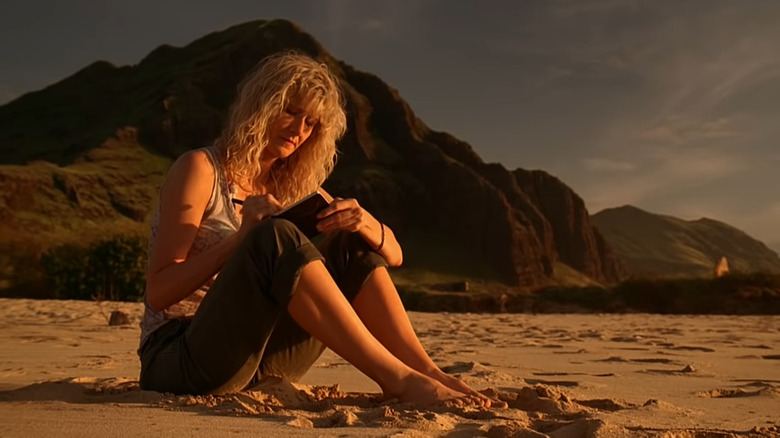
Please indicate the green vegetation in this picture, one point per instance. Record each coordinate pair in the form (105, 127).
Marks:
(110, 190)
(112, 269)
(757, 293)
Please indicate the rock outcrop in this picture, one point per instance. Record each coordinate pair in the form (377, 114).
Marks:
(721, 268)
(429, 186)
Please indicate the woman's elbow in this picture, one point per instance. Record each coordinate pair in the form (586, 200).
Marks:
(153, 300)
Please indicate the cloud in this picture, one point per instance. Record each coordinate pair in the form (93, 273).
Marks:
(654, 172)
(679, 131)
(375, 25)
(347, 19)
(607, 165)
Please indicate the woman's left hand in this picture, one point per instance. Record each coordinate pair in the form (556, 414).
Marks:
(342, 214)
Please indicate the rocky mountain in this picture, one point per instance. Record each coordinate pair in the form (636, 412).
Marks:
(84, 157)
(657, 245)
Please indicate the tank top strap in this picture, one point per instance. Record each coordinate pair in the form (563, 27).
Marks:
(220, 202)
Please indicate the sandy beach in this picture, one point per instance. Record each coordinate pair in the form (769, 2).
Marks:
(64, 371)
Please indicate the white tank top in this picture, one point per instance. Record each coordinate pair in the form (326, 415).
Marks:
(219, 221)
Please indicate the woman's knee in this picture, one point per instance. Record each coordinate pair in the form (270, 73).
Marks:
(350, 261)
(275, 232)
(344, 244)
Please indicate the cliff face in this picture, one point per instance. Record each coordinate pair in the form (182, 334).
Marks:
(427, 185)
(577, 242)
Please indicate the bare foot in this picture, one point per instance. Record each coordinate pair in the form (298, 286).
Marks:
(458, 385)
(420, 389)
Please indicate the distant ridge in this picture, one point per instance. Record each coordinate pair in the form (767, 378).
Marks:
(658, 245)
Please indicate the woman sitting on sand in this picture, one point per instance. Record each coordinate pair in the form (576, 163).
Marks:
(233, 295)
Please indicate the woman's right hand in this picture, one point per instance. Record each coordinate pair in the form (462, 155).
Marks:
(256, 208)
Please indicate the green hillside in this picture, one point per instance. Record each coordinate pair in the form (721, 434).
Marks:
(664, 246)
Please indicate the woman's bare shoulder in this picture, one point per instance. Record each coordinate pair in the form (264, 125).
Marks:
(196, 160)
(192, 171)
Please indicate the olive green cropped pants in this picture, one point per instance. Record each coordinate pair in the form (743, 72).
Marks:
(242, 330)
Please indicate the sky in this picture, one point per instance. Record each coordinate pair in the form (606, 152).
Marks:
(668, 105)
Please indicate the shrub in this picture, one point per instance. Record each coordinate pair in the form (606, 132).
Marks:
(118, 268)
(112, 269)
(65, 269)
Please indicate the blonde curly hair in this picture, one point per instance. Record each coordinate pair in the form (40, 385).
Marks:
(262, 96)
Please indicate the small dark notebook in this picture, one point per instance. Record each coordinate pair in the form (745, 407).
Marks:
(304, 213)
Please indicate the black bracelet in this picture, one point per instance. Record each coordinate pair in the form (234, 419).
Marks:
(382, 241)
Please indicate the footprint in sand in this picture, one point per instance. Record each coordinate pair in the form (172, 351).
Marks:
(770, 391)
(633, 338)
(613, 359)
(568, 383)
(37, 339)
(687, 370)
(551, 346)
(554, 374)
(580, 351)
(591, 334)
(662, 344)
(463, 367)
(693, 348)
(13, 372)
(655, 360)
(753, 382)
(97, 362)
(607, 404)
(760, 347)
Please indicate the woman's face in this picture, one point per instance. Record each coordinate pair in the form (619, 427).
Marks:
(289, 130)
